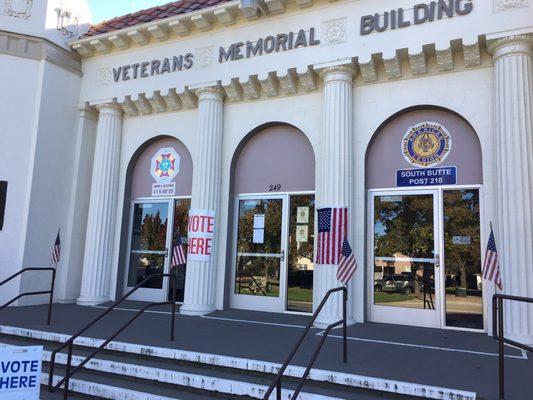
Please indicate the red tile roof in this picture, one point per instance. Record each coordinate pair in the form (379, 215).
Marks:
(151, 14)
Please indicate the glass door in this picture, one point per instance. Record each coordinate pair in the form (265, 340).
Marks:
(300, 266)
(405, 282)
(462, 259)
(149, 244)
(260, 253)
(179, 233)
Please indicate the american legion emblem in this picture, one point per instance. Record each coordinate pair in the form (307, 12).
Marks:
(426, 144)
(165, 165)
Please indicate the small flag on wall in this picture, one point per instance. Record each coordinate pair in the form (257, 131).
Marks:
(347, 263)
(56, 251)
(179, 256)
(491, 267)
(332, 228)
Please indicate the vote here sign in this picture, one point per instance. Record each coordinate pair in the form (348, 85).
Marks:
(201, 233)
(20, 373)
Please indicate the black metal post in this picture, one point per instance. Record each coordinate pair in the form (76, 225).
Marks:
(173, 323)
(67, 375)
(344, 327)
(52, 285)
(51, 372)
(501, 349)
(278, 390)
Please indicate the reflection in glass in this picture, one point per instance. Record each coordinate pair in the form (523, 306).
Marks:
(259, 247)
(462, 259)
(300, 261)
(404, 251)
(180, 229)
(148, 243)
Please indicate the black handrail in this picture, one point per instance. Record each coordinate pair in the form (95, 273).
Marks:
(499, 334)
(70, 342)
(276, 384)
(254, 282)
(50, 292)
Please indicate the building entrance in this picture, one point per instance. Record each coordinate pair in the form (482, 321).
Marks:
(156, 226)
(273, 252)
(426, 258)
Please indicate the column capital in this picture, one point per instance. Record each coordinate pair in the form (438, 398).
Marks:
(110, 109)
(213, 92)
(509, 45)
(336, 73)
(86, 111)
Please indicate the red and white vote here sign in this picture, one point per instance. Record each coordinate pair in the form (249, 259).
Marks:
(201, 233)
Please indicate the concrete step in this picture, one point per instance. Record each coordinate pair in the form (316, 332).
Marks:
(223, 375)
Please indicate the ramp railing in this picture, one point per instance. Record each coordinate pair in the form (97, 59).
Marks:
(50, 292)
(499, 334)
(70, 342)
(276, 384)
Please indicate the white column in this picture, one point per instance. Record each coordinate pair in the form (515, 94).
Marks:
(514, 154)
(200, 280)
(335, 176)
(102, 209)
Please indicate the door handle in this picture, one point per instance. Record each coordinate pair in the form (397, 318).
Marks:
(282, 255)
(166, 252)
(437, 261)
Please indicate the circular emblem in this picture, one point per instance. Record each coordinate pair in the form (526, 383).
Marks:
(426, 144)
(165, 165)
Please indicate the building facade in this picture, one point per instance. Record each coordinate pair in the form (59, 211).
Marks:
(227, 127)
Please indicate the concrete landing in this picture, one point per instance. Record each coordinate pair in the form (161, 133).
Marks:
(440, 358)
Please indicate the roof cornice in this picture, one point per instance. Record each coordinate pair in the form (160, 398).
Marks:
(182, 25)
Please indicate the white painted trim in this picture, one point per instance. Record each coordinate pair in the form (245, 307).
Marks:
(358, 381)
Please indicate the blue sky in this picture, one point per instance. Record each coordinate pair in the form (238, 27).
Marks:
(107, 9)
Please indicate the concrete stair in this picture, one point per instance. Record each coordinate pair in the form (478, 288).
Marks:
(135, 372)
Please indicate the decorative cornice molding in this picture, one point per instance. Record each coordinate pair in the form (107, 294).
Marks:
(502, 5)
(87, 111)
(25, 46)
(513, 44)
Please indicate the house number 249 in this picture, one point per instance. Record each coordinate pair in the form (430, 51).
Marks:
(274, 188)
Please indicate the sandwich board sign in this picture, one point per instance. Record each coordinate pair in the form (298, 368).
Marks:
(20, 373)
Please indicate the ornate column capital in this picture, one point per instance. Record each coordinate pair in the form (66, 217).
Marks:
(110, 109)
(509, 45)
(336, 73)
(214, 93)
(86, 111)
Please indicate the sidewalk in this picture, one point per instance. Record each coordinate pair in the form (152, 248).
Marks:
(453, 359)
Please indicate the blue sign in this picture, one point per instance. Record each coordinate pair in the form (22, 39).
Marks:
(426, 177)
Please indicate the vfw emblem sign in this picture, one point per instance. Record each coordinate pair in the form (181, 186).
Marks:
(426, 144)
(164, 167)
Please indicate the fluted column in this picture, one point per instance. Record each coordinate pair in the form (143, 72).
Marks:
(200, 280)
(102, 209)
(335, 177)
(514, 154)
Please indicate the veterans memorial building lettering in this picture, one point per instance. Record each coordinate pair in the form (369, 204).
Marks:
(419, 14)
(151, 68)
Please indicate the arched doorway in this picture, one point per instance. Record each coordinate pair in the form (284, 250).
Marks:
(274, 200)
(160, 179)
(424, 178)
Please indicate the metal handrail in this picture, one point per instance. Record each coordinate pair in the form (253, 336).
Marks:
(254, 282)
(499, 334)
(276, 384)
(70, 342)
(50, 292)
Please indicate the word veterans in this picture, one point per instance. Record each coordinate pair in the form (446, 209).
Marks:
(151, 68)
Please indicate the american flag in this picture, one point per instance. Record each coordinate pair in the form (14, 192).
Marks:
(332, 228)
(178, 255)
(347, 263)
(491, 267)
(56, 251)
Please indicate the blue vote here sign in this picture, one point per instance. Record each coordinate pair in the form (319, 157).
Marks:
(426, 177)
(20, 373)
